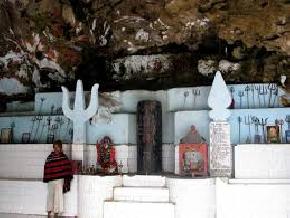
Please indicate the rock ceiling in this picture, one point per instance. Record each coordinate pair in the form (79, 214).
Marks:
(144, 44)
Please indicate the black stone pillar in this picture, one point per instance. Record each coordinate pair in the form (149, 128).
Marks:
(149, 137)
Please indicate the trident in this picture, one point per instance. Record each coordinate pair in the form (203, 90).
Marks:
(247, 89)
(241, 94)
(80, 115)
(248, 123)
(263, 123)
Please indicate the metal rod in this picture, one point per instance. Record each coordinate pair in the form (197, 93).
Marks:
(275, 93)
(255, 121)
(241, 94)
(252, 88)
(271, 88)
(287, 119)
(263, 123)
(185, 95)
(239, 123)
(248, 123)
(195, 94)
(258, 88)
(247, 89)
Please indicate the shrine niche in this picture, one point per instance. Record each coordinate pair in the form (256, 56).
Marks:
(106, 156)
(149, 137)
(193, 154)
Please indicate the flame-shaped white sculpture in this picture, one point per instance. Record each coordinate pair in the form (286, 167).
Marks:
(80, 115)
(219, 99)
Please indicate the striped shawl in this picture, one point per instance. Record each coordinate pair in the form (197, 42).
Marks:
(58, 166)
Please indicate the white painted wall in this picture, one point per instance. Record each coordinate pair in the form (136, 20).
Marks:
(30, 197)
(27, 160)
(262, 161)
(93, 191)
(196, 198)
(249, 200)
(193, 198)
(122, 130)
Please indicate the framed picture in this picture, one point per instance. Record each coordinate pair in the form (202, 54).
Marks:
(25, 138)
(6, 136)
(193, 159)
(273, 135)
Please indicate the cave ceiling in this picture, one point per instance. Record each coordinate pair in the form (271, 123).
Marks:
(140, 44)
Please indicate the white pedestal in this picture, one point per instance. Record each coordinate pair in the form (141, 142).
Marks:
(220, 149)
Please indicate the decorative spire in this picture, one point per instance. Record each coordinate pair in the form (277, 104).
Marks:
(219, 99)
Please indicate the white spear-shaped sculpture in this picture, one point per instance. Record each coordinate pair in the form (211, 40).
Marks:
(219, 129)
(79, 115)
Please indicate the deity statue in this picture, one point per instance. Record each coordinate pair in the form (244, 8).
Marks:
(192, 137)
(106, 156)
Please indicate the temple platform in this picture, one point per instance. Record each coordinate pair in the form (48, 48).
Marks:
(255, 192)
(180, 197)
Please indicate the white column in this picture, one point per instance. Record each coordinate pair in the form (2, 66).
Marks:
(220, 147)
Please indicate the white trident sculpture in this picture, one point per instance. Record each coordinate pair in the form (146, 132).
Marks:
(80, 115)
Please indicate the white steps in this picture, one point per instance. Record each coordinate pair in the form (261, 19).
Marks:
(141, 194)
(140, 197)
(144, 181)
(125, 209)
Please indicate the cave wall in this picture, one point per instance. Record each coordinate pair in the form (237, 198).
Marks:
(140, 44)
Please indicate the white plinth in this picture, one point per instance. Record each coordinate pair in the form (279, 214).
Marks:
(138, 210)
(262, 161)
(93, 191)
(245, 199)
(141, 194)
(220, 149)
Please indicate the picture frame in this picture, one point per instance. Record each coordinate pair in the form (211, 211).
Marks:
(25, 138)
(193, 159)
(273, 134)
(6, 135)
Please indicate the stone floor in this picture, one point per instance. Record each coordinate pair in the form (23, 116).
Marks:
(13, 215)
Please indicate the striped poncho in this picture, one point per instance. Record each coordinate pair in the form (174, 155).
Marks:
(58, 166)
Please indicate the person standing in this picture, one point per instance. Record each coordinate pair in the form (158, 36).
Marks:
(58, 175)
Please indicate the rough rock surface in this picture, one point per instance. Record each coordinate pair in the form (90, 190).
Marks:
(148, 44)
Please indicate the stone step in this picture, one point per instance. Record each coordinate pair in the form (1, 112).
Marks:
(125, 209)
(144, 181)
(141, 194)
